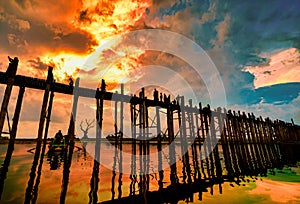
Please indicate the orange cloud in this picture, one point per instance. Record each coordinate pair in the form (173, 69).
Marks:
(282, 67)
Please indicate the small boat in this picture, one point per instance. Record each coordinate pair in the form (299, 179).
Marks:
(57, 144)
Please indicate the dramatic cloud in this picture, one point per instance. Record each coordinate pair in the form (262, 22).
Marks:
(254, 45)
(282, 67)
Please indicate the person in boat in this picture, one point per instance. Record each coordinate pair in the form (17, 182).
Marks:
(58, 137)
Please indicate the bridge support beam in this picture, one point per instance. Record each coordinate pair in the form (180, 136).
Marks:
(45, 103)
(11, 72)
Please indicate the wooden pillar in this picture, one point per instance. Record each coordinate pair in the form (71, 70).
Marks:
(121, 143)
(261, 142)
(49, 115)
(245, 144)
(232, 144)
(121, 118)
(272, 149)
(250, 142)
(11, 72)
(266, 142)
(199, 143)
(224, 142)
(17, 114)
(49, 81)
(116, 150)
(184, 142)
(159, 147)
(207, 116)
(45, 102)
(173, 175)
(70, 141)
(116, 128)
(29, 189)
(215, 152)
(142, 147)
(255, 141)
(239, 144)
(274, 142)
(204, 150)
(193, 139)
(11, 144)
(133, 132)
(39, 171)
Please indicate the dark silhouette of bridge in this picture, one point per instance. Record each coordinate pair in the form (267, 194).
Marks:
(250, 145)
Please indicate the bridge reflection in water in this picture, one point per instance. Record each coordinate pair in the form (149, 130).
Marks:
(186, 180)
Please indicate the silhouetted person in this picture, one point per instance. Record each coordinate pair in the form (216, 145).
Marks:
(71, 81)
(141, 94)
(169, 99)
(103, 85)
(155, 95)
(58, 136)
(50, 75)
(165, 98)
(206, 111)
(12, 67)
(10, 59)
(161, 97)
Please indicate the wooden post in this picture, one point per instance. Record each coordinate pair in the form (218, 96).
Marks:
(116, 150)
(173, 174)
(11, 144)
(39, 171)
(29, 189)
(45, 102)
(193, 139)
(198, 143)
(254, 158)
(266, 143)
(224, 142)
(215, 152)
(121, 143)
(258, 154)
(49, 81)
(265, 134)
(70, 141)
(159, 145)
(133, 176)
(17, 114)
(206, 115)
(261, 142)
(49, 115)
(142, 142)
(240, 148)
(121, 118)
(184, 142)
(245, 145)
(11, 72)
(204, 144)
(232, 145)
(274, 145)
(268, 125)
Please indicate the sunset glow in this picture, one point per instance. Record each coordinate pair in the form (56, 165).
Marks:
(257, 57)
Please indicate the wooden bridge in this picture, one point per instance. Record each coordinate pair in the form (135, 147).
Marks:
(250, 145)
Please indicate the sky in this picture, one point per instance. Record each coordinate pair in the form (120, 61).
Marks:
(254, 46)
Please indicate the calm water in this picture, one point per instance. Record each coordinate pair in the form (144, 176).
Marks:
(50, 178)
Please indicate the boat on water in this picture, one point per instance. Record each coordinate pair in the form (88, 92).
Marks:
(58, 144)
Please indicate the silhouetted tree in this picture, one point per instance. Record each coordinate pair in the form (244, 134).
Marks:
(88, 125)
